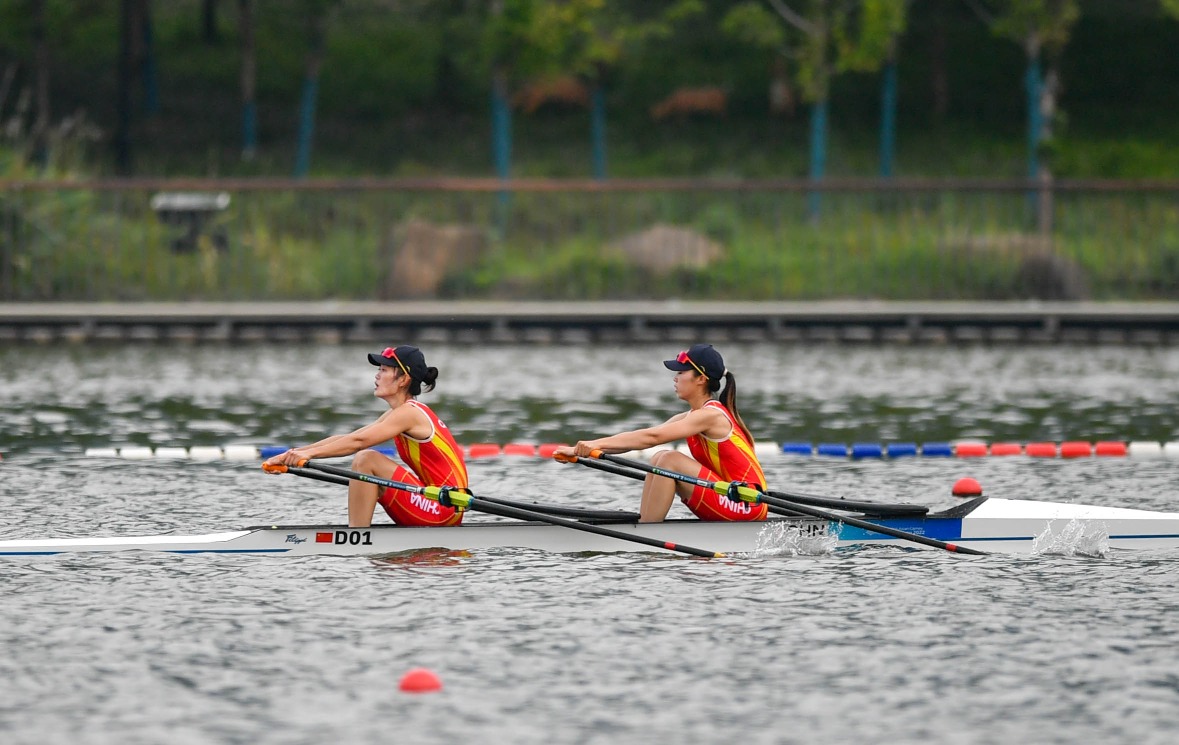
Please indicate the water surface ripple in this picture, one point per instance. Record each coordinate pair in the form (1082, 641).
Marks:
(860, 645)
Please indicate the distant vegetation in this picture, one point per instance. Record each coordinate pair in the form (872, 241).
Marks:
(404, 89)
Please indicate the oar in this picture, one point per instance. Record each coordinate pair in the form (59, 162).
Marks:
(750, 494)
(577, 513)
(641, 476)
(463, 499)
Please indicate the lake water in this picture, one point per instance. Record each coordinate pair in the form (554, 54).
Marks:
(862, 645)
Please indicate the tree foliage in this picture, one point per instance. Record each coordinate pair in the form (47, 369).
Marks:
(824, 37)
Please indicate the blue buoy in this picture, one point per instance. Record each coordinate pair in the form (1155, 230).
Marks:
(798, 448)
(866, 450)
(269, 451)
(901, 449)
(386, 450)
(834, 449)
(938, 450)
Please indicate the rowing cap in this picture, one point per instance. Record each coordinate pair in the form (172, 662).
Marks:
(409, 358)
(702, 358)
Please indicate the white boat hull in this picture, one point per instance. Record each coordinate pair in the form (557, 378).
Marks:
(992, 525)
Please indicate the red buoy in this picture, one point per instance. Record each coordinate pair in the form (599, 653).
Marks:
(519, 448)
(967, 487)
(1111, 448)
(484, 450)
(1006, 448)
(970, 449)
(420, 680)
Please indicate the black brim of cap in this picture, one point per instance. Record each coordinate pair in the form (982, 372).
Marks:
(676, 365)
(378, 360)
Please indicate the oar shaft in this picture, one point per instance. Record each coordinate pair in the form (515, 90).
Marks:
(620, 516)
(502, 510)
(640, 476)
(317, 476)
(806, 510)
(505, 511)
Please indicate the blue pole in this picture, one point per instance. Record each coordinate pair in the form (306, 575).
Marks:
(501, 143)
(888, 119)
(1034, 83)
(306, 125)
(249, 129)
(598, 130)
(818, 152)
(501, 131)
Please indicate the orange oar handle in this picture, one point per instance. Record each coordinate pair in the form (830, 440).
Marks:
(274, 468)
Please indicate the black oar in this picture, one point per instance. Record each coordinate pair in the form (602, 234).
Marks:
(463, 499)
(577, 513)
(630, 473)
(749, 494)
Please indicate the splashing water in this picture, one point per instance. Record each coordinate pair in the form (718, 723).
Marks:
(1072, 540)
(784, 539)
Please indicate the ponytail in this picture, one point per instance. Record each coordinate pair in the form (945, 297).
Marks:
(415, 386)
(728, 397)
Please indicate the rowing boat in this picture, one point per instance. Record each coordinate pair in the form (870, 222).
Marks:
(991, 524)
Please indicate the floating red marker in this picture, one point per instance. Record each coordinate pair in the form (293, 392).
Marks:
(519, 448)
(1041, 449)
(1111, 448)
(967, 487)
(420, 680)
(1075, 450)
(546, 449)
(484, 450)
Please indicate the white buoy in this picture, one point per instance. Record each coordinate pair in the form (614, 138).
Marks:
(241, 452)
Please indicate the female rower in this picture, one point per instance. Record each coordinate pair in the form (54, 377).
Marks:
(423, 442)
(720, 443)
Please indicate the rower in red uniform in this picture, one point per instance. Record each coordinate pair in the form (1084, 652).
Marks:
(720, 443)
(423, 442)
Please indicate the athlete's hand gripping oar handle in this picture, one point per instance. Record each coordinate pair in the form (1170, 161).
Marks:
(461, 499)
(297, 471)
(750, 494)
(600, 465)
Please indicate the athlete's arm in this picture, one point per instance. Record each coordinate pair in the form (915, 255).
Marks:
(386, 427)
(707, 421)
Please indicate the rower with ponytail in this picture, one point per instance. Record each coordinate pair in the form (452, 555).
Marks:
(718, 439)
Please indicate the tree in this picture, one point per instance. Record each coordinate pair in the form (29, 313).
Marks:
(1040, 26)
(825, 37)
(316, 15)
(249, 80)
(40, 132)
(589, 38)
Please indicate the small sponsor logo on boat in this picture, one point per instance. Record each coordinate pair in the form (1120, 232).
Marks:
(294, 538)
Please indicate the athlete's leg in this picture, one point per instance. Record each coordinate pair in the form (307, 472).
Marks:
(659, 491)
(362, 497)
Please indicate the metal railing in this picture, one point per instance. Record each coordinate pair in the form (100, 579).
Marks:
(901, 239)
